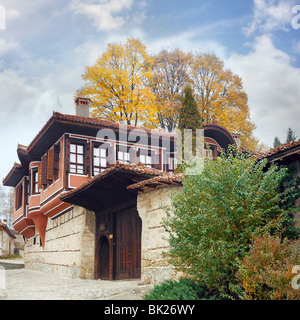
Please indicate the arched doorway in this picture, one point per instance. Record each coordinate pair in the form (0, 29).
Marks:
(104, 258)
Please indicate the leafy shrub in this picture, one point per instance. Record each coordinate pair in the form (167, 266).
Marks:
(219, 211)
(184, 289)
(265, 272)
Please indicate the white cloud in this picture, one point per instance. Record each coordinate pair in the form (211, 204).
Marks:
(272, 85)
(106, 14)
(270, 15)
(7, 45)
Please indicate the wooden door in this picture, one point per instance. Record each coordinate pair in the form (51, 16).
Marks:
(128, 244)
(104, 259)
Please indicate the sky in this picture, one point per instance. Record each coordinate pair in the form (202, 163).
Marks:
(45, 46)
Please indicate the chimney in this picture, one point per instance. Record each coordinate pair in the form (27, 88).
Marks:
(83, 107)
(237, 139)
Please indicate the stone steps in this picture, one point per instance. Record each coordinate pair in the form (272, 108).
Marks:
(12, 265)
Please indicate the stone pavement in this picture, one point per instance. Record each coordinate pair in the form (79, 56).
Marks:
(24, 284)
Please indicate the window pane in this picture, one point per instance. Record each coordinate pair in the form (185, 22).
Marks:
(120, 155)
(96, 152)
(80, 149)
(96, 161)
(72, 157)
(73, 168)
(142, 158)
(126, 156)
(103, 152)
(103, 162)
(80, 169)
(80, 159)
(96, 171)
(73, 148)
(148, 160)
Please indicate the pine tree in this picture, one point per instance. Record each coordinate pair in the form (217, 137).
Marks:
(276, 142)
(290, 135)
(189, 117)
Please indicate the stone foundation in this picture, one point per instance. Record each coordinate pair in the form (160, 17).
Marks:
(150, 206)
(69, 249)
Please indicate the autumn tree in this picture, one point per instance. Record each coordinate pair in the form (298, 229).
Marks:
(170, 77)
(118, 84)
(221, 97)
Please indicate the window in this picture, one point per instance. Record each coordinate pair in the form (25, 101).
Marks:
(123, 154)
(76, 158)
(148, 157)
(19, 196)
(35, 182)
(100, 158)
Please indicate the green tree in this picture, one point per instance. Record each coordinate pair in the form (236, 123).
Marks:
(217, 214)
(189, 117)
(276, 142)
(290, 135)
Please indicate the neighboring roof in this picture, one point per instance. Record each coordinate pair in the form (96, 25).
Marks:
(158, 182)
(3, 226)
(285, 150)
(219, 133)
(14, 175)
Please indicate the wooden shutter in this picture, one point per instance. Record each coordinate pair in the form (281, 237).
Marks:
(39, 175)
(67, 154)
(50, 162)
(44, 170)
(87, 157)
(56, 161)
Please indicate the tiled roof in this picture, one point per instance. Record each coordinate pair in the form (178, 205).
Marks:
(281, 148)
(134, 168)
(163, 180)
(105, 123)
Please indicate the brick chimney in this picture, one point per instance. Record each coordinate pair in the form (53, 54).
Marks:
(237, 138)
(83, 107)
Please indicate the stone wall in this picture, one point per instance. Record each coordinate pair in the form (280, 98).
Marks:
(155, 268)
(69, 246)
(6, 244)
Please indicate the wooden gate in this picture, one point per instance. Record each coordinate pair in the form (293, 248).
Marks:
(120, 257)
(128, 244)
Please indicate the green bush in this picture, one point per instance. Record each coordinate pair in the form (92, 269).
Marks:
(217, 214)
(184, 289)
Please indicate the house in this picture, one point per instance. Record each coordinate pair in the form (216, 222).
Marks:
(287, 154)
(6, 239)
(89, 196)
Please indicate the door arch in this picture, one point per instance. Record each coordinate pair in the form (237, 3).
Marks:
(104, 258)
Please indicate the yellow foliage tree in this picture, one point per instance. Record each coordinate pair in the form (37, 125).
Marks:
(118, 84)
(221, 97)
(170, 77)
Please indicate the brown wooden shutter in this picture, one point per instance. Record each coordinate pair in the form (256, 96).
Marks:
(67, 154)
(40, 175)
(87, 157)
(44, 170)
(56, 161)
(50, 162)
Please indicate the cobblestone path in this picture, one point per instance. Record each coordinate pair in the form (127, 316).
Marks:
(23, 284)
